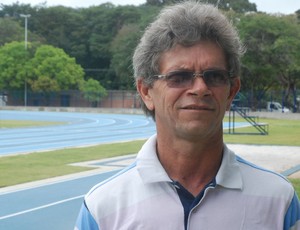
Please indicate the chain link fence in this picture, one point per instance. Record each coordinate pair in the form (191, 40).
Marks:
(70, 98)
(264, 101)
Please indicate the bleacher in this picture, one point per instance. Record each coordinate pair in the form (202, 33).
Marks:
(262, 128)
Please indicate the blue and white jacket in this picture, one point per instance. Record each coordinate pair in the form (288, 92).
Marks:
(143, 196)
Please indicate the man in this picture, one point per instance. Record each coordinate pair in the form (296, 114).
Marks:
(186, 69)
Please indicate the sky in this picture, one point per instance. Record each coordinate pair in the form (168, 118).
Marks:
(269, 6)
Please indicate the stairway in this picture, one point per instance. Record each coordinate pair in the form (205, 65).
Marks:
(263, 128)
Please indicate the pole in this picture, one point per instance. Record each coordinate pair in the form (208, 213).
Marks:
(26, 16)
(26, 23)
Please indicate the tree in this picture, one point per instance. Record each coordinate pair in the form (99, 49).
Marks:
(44, 67)
(14, 65)
(162, 2)
(54, 70)
(240, 6)
(105, 21)
(16, 9)
(286, 55)
(298, 15)
(258, 31)
(59, 25)
(122, 51)
(10, 31)
(123, 46)
(272, 55)
(93, 91)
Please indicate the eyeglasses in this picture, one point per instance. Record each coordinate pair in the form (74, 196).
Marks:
(185, 79)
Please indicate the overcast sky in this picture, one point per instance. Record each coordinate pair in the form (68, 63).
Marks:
(269, 6)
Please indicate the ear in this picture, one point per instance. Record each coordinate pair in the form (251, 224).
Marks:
(234, 89)
(145, 93)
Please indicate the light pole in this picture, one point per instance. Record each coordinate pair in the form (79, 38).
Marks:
(26, 16)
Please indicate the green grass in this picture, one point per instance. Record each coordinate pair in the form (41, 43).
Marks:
(296, 183)
(37, 166)
(24, 123)
(281, 132)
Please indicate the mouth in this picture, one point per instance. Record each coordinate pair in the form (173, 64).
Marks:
(197, 107)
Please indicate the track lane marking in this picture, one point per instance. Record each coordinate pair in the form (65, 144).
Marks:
(40, 207)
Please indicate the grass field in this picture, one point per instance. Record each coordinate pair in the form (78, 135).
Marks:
(20, 124)
(37, 166)
(281, 132)
(296, 183)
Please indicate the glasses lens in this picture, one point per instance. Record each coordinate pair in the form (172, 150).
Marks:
(184, 79)
(215, 77)
(179, 79)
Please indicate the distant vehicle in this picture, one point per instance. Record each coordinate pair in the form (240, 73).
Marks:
(274, 106)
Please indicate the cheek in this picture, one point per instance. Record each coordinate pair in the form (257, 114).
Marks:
(157, 98)
(224, 99)
(165, 100)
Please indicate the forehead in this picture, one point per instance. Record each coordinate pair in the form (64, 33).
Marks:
(203, 55)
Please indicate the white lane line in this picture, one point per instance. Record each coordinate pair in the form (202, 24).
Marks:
(40, 207)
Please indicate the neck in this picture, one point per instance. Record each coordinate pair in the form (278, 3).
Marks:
(192, 164)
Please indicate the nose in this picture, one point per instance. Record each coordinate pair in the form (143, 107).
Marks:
(199, 87)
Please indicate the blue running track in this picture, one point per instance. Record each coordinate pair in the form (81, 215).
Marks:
(54, 206)
(77, 129)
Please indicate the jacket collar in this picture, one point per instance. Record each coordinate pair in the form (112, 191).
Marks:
(148, 164)
(151, 170)
(229, 174)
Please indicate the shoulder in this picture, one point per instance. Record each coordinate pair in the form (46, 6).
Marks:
(115, 192)
(264, 182)
(116, 182)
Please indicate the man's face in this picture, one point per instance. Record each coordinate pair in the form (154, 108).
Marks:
(194, 111)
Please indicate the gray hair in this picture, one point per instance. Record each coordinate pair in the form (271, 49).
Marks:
(186, 24)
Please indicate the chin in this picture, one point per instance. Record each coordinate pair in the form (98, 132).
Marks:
(202, 129)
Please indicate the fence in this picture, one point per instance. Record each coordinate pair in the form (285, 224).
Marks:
(259, 101)
(71, 98)
(128, 99)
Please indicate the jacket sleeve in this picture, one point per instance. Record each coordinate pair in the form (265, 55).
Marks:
(292, 217)
(85, 221)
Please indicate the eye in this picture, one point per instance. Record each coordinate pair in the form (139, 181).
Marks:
(216, 77)
(179, 77)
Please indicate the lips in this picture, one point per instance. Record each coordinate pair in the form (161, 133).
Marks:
(197, 107)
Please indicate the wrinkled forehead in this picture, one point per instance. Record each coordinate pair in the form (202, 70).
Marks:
(200, 56)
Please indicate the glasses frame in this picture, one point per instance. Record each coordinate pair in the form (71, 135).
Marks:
(187, 84)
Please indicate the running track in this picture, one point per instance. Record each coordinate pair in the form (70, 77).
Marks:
(55, 205)
(77, 129)
(52, 206)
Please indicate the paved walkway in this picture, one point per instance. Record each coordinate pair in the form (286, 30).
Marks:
(281, 159)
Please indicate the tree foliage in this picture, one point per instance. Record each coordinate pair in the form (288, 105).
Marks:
(13, 65)
(44, 68)
(55, 66)
(102, 39)
(93, 91)
(272, 57)
(240, 6)
(10, 31)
